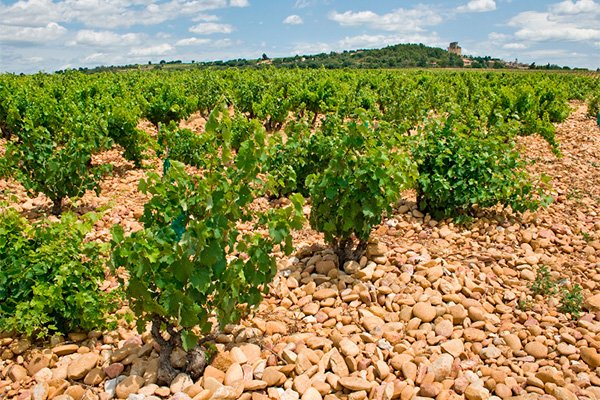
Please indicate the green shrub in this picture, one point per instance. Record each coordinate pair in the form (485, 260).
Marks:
(181, 145)
(461, 168)
(50, 277)
(365, 174)
(290, 163)
(191, 262)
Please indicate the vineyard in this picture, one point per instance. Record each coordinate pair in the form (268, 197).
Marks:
(300, 234)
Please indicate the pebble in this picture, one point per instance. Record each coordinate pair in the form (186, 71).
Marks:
(536, 349)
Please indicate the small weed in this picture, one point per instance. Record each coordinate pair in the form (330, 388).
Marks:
(571, 301)
(525, 305)
(543, 284)
(587, 237)
(574, 193)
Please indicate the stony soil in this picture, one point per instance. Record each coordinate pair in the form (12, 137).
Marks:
(432, 310)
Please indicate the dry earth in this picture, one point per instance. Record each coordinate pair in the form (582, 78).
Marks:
(432, 310)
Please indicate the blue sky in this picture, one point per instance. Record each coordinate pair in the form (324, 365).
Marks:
(50, 35)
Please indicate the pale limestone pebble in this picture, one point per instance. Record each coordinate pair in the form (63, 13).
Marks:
(20, 346)
(234, 373)
(191, 390)
(39, 361)
(590, 356)
(355, 383)
(77, 392)
(441, 367)
(226, 393)
(273, 376)
(181, 381)
(454, 347)
(40, 391)
(82, 365)
(592, 303)
(536, 349)
(129, 385)
(424, 311)
(148, 390)
(43, 375)
(17, 373)
(348, 348)
(180, 396)
(476, 392)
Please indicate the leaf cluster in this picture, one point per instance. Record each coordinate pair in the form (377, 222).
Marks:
(191, 261)
(366, 173)
(50, 276)
(460, 168)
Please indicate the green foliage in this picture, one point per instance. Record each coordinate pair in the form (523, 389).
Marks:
(593, 106)
(365, 174)
(182, 145)
(191, 261)
(56, 169)
(121, 126)
(163, 101)
(50, 277)
(543, 284)
(571, 300)
(460, 168)
(290, 163)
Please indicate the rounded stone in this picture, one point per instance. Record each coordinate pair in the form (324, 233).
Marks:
(424, 311)
(536, 349)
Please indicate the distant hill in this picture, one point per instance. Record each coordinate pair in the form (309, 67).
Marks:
(397, 56)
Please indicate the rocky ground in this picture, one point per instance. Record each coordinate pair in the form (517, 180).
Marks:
(432, 310)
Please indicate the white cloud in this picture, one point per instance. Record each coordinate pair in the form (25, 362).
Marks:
(17, 35)
(293, 20)
(478, 6)
(541, 27)
(569, 8)
(222, 43)
(106, 14)
(205, 18)
(156, 50)
(515, 46)
(400, 20)
(95, 57)
(210, 28)
(192, 42)
(239, 3)
(302, 3)
(104, 39)
(496, 37)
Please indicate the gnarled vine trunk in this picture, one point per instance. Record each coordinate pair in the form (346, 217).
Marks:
(345, 250)
(196, 357)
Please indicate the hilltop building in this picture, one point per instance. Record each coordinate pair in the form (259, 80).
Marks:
(454, 48)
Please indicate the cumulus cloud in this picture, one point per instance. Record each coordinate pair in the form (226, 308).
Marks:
(478, 6)
(18, 35)
(107, 14)
(156, 50)
(104, 39)
(239, 3)
(293, 20)
(540, 27)
(400, 20)
(192, 42)
(515, 46)
(579, 7)
(209, 28)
